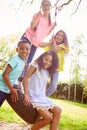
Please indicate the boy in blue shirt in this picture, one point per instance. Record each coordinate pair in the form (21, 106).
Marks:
(12, 71)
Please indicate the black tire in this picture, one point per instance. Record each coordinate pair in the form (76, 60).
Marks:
(28, 114)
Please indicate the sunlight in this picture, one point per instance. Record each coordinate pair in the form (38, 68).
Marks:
(14, 23)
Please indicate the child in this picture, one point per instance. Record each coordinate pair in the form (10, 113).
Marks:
(34, 83)
(41, 27)
(12, 71)
(58, 44)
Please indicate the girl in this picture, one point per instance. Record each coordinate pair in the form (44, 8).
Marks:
(41, 27)
(12, 71)
(34, 83)
(58, 44)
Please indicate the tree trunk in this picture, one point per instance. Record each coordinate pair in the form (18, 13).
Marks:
(69, 92)
(75, 92)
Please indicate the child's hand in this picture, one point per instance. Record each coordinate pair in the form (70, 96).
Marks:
(52, 40)
(34, 24)
(14, 95)
(26, 100)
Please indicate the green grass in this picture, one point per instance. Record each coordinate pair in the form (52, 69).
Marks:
(74, 115)
(8, 115)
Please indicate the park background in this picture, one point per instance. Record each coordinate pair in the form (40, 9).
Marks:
(14, 19)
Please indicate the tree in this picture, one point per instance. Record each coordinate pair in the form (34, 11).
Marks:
(77, 55)
(58, 4)
(7, 48)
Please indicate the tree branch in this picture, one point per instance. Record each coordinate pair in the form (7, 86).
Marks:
(64, 4)
(59, 8)
(76, 8)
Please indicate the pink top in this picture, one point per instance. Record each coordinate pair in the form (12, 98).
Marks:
(43, 28)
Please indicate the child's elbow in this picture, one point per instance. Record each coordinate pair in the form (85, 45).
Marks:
(4, 75)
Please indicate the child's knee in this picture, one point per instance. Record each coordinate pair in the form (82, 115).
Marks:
(49, 118)
(58, 110)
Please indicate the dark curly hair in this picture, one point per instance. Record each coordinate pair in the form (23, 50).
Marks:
(55, 61)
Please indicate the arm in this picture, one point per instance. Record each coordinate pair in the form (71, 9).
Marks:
(52, 27)
(34, 24)
(58, 47)
(5, 75)
(31, 70)
(44, 44)
(35, 21)
(53, 84)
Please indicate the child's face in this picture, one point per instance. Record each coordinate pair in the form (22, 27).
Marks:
(23, 49)
(59, 37)
(47, 61)
(46, 6)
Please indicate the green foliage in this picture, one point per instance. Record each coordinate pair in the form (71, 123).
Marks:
(77, 52)
(85, 90)
(7, 48)
(78, 56)
(66, 91)
(85, 93)
(8, 115)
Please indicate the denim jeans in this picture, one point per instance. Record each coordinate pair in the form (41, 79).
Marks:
(3, 96)
(32, 53)
(53, 84)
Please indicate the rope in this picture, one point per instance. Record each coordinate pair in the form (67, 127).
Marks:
(55, 15)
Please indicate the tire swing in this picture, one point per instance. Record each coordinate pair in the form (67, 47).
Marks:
(27, 113)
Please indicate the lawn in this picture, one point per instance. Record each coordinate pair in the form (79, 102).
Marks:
(74, 115)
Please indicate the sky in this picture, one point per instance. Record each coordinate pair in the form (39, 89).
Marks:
(12, 22)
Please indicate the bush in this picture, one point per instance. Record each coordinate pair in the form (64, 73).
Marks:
(85, 95)
(62, 92)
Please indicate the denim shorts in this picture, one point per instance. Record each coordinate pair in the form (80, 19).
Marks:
(3, 96)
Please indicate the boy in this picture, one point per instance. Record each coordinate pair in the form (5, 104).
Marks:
(12, 71)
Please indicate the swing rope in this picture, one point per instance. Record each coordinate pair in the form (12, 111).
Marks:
(55, 15)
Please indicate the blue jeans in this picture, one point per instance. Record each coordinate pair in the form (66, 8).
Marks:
(53, 84)
(32, 53)
(3, 96)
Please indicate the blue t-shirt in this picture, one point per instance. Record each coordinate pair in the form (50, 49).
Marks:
(17, 65)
